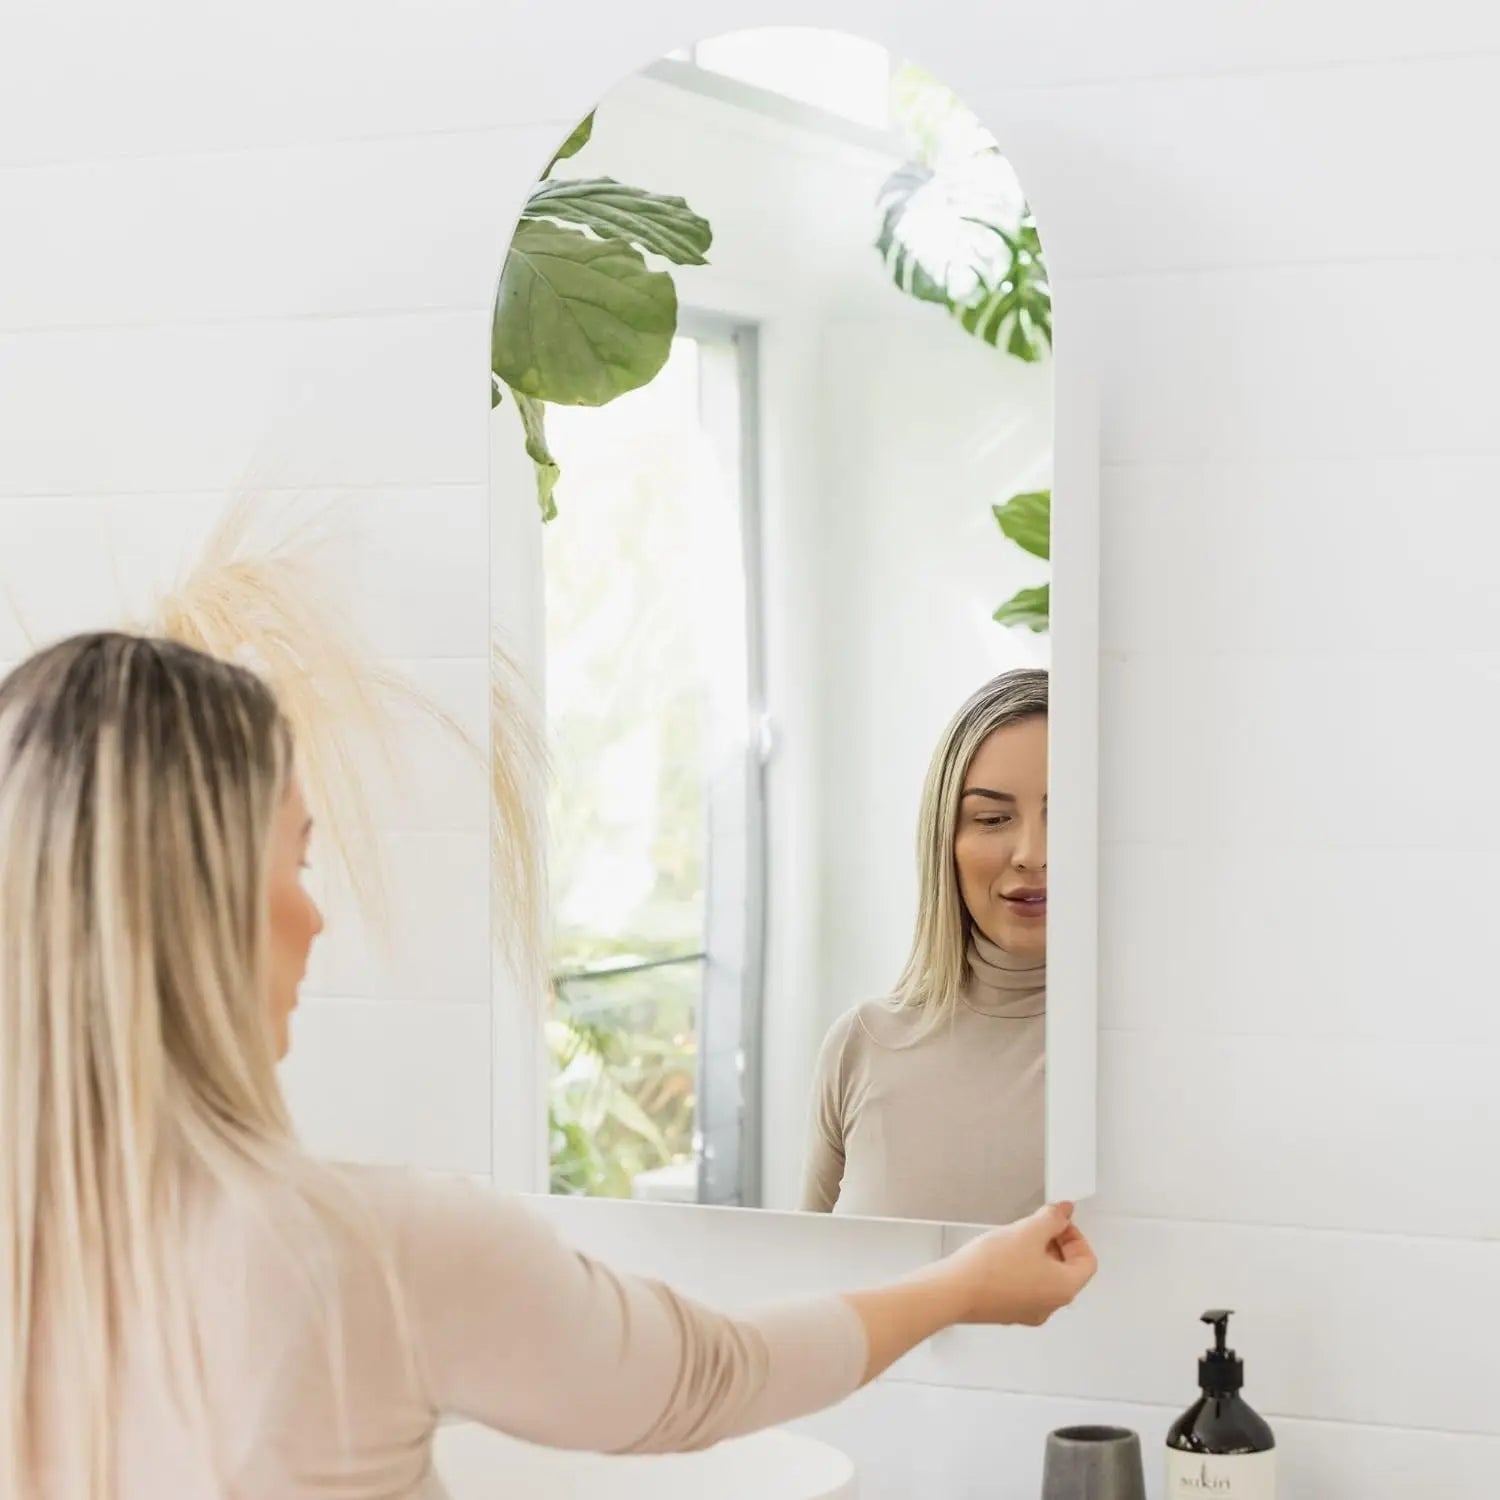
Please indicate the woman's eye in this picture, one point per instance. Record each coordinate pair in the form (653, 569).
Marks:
(994, 822)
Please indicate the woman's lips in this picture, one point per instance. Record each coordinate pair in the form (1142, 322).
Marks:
(1027, 904)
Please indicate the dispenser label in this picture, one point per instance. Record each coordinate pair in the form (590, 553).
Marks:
(1233, 1476)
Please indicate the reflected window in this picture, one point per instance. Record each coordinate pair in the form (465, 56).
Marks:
(649, 636)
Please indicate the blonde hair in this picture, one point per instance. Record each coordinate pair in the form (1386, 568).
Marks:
(139, 775)
(937, 965)
(268, 600)
(273, 606)
(139, 783)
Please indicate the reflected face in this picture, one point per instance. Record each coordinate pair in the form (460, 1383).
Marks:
(295, 918)
(1000, 848)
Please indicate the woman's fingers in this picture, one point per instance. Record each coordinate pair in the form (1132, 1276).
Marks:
(1075, 1252)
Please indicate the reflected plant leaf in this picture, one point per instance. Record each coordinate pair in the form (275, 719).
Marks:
(579, 321)
(614, 211)
(581, 134)
(580, 318)
(1027, 520)
(533, 422)
(1027, 607)
(956, 230)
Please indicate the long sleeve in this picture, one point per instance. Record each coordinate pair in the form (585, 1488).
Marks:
(823, 1165)
(515, 1330)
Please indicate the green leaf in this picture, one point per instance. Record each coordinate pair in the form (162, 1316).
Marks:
(960, 235)
(986, 313)
(582, 132)
(1023, 342)
(1019, 307)
(614, 211)
(579, 321)
(1029, 608)
(533, 416)
(906, 268)
(1027, 520)
(625, 1112)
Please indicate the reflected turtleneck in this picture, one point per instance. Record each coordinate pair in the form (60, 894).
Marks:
(1004, 984)
(944, 1124)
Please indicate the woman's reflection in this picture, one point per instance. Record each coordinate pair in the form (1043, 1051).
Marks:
(929, 1104)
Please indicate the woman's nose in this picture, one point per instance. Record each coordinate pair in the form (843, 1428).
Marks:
(1031, 847)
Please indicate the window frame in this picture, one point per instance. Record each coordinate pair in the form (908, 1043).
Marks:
(728, 1115)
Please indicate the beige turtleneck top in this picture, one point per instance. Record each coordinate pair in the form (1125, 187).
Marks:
(949, 1127)
(505, 1325)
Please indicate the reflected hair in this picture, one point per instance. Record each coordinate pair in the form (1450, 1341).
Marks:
(937, 966)
(140, 780)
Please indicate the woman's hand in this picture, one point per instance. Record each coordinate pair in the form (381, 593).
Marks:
(1019, 1274)
(1024, 1272)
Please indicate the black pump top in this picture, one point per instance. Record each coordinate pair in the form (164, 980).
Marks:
(1221, 1372)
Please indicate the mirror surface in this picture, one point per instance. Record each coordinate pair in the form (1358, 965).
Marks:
(775, 334)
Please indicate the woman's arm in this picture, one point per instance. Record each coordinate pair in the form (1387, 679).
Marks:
(515, 1330)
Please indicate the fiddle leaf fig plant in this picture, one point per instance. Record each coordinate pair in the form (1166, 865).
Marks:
(663, 226)
(581, 315)
(579, 320)
(581, 134)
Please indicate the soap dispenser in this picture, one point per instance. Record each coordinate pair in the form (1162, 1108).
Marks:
(1220, 1448)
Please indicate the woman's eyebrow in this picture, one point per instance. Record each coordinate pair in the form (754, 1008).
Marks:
(984, 791)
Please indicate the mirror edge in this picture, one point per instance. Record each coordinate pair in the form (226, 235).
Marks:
(1073, 834)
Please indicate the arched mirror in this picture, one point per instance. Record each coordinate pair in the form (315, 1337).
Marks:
(772, 374)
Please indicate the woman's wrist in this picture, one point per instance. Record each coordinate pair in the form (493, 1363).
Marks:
(946, 1292)
(908, 1312)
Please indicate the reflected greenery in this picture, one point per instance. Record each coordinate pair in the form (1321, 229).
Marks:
(624, 1055)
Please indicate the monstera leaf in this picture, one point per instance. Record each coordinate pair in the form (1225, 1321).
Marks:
(955, 228)
(1019, 305)
(956, 235)
(920, 270)
(579, 321)
(939, 223)
(663, 226)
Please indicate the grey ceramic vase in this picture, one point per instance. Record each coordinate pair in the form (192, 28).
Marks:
(1093, 1463)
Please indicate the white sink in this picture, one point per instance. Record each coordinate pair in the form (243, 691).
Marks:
(477, 1464)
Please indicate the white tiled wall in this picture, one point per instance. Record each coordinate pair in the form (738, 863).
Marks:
(269, 239)
(391, 1043)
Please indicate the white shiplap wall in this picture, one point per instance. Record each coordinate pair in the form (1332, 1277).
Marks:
(392, 1021)
(269, 237)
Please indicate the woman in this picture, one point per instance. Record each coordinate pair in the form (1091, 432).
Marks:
(930, 1105)
(190, 1306)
